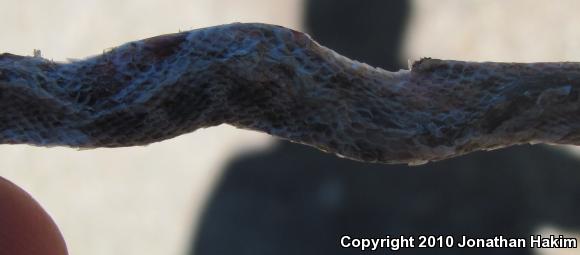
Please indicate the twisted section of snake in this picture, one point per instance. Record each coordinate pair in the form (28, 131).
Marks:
(279, 81)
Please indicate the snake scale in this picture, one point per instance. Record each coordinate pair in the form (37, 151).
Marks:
(279, 81)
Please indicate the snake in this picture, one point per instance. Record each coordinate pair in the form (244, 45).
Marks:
(276, 80)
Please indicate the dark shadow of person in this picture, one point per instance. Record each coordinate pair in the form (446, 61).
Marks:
(297, 200)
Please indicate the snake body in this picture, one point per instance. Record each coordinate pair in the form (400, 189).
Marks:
(279, 81)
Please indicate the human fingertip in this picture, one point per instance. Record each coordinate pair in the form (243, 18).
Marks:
(25, 227)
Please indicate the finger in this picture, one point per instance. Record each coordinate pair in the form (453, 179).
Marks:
(25, 228)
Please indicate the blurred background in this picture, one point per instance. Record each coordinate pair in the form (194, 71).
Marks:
(223, 190)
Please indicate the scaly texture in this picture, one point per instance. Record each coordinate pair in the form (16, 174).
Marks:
(276, 80)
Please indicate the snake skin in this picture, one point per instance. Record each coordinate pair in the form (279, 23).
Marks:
(279, 81)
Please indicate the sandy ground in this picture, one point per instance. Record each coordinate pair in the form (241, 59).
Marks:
(146, 200)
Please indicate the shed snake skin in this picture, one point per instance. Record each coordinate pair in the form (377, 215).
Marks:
(279, 81)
